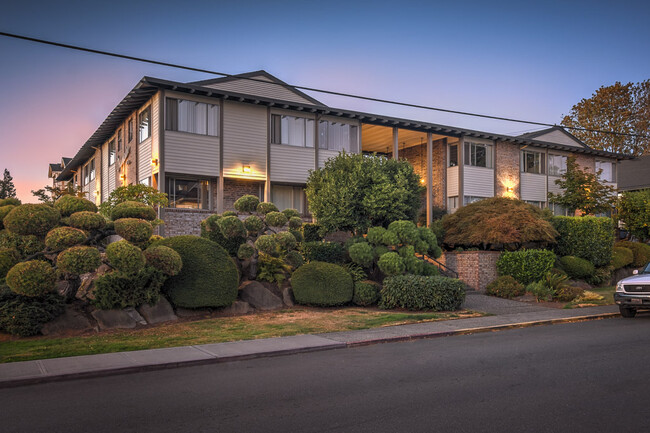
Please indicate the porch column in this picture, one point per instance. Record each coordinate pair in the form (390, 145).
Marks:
(395, 143)
(429, 177)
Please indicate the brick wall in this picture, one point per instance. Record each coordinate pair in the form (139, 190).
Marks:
(586, 162)
(183, 221)
(235, 188)
(507, 169)
(417, 157)
(477, 269)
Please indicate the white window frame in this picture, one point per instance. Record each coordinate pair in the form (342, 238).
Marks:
(538, 155)
(562, 166)
(281, 130)
(469, 156)
(141, 129)
(598, 166)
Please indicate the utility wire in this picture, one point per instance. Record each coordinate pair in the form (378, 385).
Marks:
(311, 89)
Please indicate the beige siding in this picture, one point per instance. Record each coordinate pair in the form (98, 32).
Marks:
(452, 181)
(559, 137)
(533, 187)
(291, 164)
(324, 155)
(105, 170)
(479, 181)
(145, 149)
(191, 153)
(256, 88)
(144, 159)
(244, 139)
(111, 180)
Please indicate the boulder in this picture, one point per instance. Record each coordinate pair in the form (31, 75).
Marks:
(287, 297)
(259, 297)
(114, 319)
(67, 288)
(192, 313)
(71, 321)
(112, 238)
(86, 287)
(161, 312)
(238, 308)
(135, 316)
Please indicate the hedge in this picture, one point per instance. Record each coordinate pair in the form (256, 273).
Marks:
(526, 266)
(25, 316)
(322, 284)
(366, 293)
(117, 290)
(587, 237)
(331, 252)
(416, 292)
(576, 267)
(621, 257)
(640, 250)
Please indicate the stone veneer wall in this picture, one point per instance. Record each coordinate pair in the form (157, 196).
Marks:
(477, 269)
(507, 168)
(183, 221)
(235, 188)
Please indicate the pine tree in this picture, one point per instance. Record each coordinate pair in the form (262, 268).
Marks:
(7, 188)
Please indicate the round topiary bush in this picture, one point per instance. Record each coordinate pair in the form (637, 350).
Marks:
(577, 268)
(391, 264)
(266, 207)
(292, 213)
(210, 230)
(322, 284)
(125, 257)
(366, 293)
(389, 238)
(25, 245)
(231, 227)
(245, 251)
(8, 259)
(297, 234)
(247, 203)
(267, 244)
(117, 290)
(295, 222)
(32, 219)
(69, 204)
(641, 252)
(4, 211)
(253, 224)
(31, 278)
(86, 220)
(362, 254)
(505, 287)
(11, 201)
(78, 260)
(294, 259)
(60, 238)
(133, 229)
(164, 259)
(621, 257)
(276, 219)
(209, 277)
(229, 213)
(286, 241)
(376, 235)
(406, 231)
(133, 209)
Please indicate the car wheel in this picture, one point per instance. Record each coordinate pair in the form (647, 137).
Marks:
(627, 312)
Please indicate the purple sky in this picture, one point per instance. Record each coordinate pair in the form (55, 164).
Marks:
(503, 58)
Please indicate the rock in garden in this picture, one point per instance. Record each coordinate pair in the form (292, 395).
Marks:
(86, 287)
(161, 312)
(238, 308)
(192, 313)
(70, 321)
(66, 288)
(135, 316)
(114, 319)
(287, 297)
(258, 296)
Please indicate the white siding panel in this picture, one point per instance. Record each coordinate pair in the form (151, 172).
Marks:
(111, 180)
(479, 181)
(191, 154)
(256, 88)
(91, 190)
(324, 155)
(452, 181)
(558, 137)
(533, 187)
(144, 159)
(244, 139)
(104, 171)
(291, 164)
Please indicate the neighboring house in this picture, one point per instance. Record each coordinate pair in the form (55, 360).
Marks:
(209, 142)
(634, 174)
(55, 169)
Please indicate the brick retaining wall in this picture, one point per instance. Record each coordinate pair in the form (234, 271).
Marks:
(477, 269)
(183, 221)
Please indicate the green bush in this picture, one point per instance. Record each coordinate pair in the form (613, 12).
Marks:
(229, 213)
(330, 252)
(312, 232)
(78, 260)
(254, 224)
(245, 251)
(540, 291)
(406, 231)
(621, 257)
(247, 203)
(600, 276)
(425, 268)
(25, 316)
(590, 238)
(568, 293)
(210, 230)
(86, 220)
(356, 271)
(294, 259)
(577, 268)
(322, 284)
(69, 204)
(32, 219)
(272, 269)
(125, 257)
(286, 241)
(231, 227)
(209, 277)
(429, 236)
(640, 250)
(164, 259)
(11, 201)
(362, 254)
(60, 238)
(31, 278)
(526, 266)
(117, 290)
(366, 293)
(8, 258)
(4, 211)
(266, 207)
(375, 235)
(291, 213)
(416, 292)
(390, 238)
(298, 235)
(267, 244)
(505, 287)
(25, 245)
(133, 209)
(134, 230)
(391, 264)
(295, 222)
(276, 219)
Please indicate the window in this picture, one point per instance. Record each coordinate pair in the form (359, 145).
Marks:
(338, 136)
(532, 162)
(478, 154)
(558, 210)
(111, 153)
(453, 155)
(556, 165)
(192, 117)
(471, 199)
(608, 168)
(452, 202)
(119, 140)
(146, 181)
(288, 197)
(188, 193)
(539, 204)
(86, 178)
(291, 130)
(130, 130)
(144, 124)
(92, 169)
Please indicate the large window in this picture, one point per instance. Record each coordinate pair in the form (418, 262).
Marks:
(338, 136)
(111, 153)
(144, 124)
(288, 197)
(92, 169)
(539, 204)
(608, 168)
(452, 202)
(532, 162)
(188, 193)
(558, 210)
(291, 130)
(86, 178)
(193, 117)
(478, 154)
(556, 165)
(130, 130)
(453, 155)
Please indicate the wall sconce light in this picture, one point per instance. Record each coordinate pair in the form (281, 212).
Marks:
(123, 176)
(97, 193)
(422, 181)
(246, 169)
(154, 161)
(510, 189)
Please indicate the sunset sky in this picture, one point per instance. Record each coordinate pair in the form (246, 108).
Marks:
(502, 58)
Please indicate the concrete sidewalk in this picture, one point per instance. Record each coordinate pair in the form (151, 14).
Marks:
(507, 314)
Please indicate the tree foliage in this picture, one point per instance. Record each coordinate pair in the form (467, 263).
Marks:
(140, 193)
(619, 107)
(50, 194)
(634, 211)
(353, 192)
(7, 188)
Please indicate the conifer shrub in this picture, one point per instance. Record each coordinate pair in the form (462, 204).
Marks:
(298, 235)
(245, 251)
(25, 245)
(11, 201)
(416, 292)
(78, 260)
(276, 219)
(391, 263)
(164, 259)
(295, 222)
(231, 227)
(254, 225)
(322, 284)
(86, 220)
(210, 230)
(330, 252)
(291, 213)
(621, 257)
(312, 232)
(366, 293)
(25, 316)
(286, 241)
(294, 259)
(8, 258)
(577, 268)
(125, 257)
(69, 204)
(134, 230)
(247, 203)
(117, 290)
(31, 278)
(4, 211)
(60, 238)
(362, 254)
(505, 286)
(265, 207)
(640, 250)
(32, 219)
(267, 244)
(133, 209)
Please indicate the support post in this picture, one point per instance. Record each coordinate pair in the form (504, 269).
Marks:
(429, 177)
(395, 143)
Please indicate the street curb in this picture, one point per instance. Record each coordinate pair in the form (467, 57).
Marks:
(343, 345)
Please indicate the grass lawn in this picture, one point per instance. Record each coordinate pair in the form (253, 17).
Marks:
(606, 292)
(217, 330)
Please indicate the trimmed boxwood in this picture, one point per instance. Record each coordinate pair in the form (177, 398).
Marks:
(4, 211)
(8, 259)
(209, 277)
(505, 287)
(331, 252)
(621, 257)
(577, 268)
(640, 250)
(86, 220)
(526, 266)
(32, 219)
(125, 257)
(60, 238)
(78, 260)
(247, 203)
(322, 284)
(366, 293)
(587, 237)
(25, 316)
(134, 229)
(133, 209)
(416, 292)
(362, 254)
(276, 219)
(31, 278)
(210, 230)
(164, 259)
(117, 290)
(69, 204)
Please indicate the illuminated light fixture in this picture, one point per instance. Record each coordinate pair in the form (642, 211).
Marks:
(422, 181)
(97, 193)
(246, 169)
(123, 176)
(154, 161)
(510, 189)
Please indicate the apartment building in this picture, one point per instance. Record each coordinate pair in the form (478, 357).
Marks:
(207, 143)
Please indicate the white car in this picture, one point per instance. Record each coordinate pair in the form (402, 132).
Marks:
(633, 293)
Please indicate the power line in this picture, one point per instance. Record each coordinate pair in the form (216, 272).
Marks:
(310, 89)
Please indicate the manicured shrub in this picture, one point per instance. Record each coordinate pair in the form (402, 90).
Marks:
(267, 244)
(366, 293)
(25, 316)
(209, 277)
(69, 204)
(210, 230)
(231, 227)
(375, 235)
(406, 231)
(390, 238)
(416, 292)
(164, 259)
(322, 284)
(577, 268)
(245, 251)
(291, 213)
(391, 264)
(380, 250)
(134, 229)
(266, 207)
(295, 222)
(276, 219)
(125, 257)
(429, 236)
(247, 203)
(286, 241)
(133, 209)
(253, 224)
(86, 220)
(117, 290)
(4, 211)
(32, 219)
(297, 234)
(505, 287)
(362, 254)
(294, 259)
(11, 201)
(31, 278)
(78, 260)
(154, 238)
(311, 232)
(587, 237)
(25, 245)
(229, 213)
(621, 257)
(8, 258)
(568, 293)
(272, 269)
(330, 252)
(60, 238)
(640, 250)
(526, 266)
(425, 268)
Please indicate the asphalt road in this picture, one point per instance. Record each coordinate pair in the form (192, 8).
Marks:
(580, 377)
